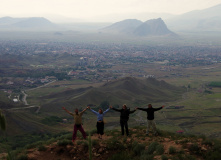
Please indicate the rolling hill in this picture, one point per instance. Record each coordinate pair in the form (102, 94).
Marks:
(131, 91)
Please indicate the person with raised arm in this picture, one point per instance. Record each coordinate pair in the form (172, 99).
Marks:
(124, 117)
(77, 123)
(150, 117)
(100, 120)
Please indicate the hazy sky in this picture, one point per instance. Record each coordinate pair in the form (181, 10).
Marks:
(90, 9)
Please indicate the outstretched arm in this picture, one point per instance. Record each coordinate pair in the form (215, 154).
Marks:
(142, 109)
(67, 110)
(92, 110)
(83, 111)
(106, 111)
(118, 110)
(156, 109)
(133, 111)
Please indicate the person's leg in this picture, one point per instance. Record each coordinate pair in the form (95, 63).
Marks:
(81, 129)
(101, 129)
(126, 127)
(74, 135)
(154, 127)
(122, 127)
(98, 130)
(148, 126)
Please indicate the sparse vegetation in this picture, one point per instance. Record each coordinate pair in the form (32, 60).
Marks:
(160, 149)
(138, 148)
(42, 148)
(152, 147)
(172, 150)
(121, 156)
(215, 84)
(64, 142)
(52, 120)
(133, 148)
(164, 157)
(23, 157)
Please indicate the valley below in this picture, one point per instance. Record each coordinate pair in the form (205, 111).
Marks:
(38, 78)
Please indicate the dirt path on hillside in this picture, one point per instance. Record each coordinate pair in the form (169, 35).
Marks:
(24, 99)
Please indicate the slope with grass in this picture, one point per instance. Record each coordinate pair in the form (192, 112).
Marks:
(113, 146)
(127, 90)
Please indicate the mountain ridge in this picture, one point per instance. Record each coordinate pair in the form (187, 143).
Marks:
(193, 20)
(30, 23)
(134, 27)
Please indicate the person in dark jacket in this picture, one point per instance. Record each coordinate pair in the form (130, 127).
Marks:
(150, 117)
(124, 117)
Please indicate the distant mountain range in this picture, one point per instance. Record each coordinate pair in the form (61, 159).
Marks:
(36, 23)
(208, 19)
(153, 27)
(200, 20)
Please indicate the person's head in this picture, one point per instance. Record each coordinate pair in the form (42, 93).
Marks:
(149, 105)
(100, 111)
(76, 111)
(124, 106)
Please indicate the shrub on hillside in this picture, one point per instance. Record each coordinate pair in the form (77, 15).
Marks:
(94, 142)
(172, 150)
(121, 156)
(152, 147)
(138, 148)
(42, 148)
(207, 142)
(64, 142)
(146, 156)
(164, 157)
(215, 153)
(22, 157)
(160, 149)
(195, 148)
(113, 144)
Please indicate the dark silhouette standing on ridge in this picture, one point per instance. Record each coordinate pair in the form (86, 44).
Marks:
(100, 121)
(150, 117)
(78, 123)
(124, 117)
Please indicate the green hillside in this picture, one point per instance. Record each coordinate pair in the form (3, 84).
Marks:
(131, 91)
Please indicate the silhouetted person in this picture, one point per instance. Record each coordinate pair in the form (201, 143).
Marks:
(124, 117)
(150, 117)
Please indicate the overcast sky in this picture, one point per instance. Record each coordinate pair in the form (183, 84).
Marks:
(90, 9)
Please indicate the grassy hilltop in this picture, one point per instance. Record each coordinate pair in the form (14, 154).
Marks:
(113, 146)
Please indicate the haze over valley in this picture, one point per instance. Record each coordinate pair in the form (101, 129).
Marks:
(122, 57)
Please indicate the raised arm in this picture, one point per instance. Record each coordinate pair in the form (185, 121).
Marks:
(67, 111)
(92, 110)
(83, 111)
(106, 111)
